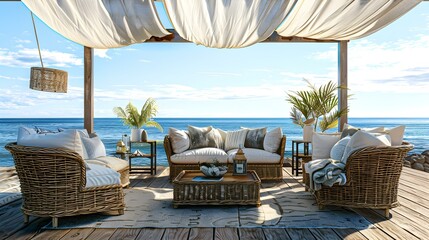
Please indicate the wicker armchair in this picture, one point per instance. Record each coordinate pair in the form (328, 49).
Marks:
(265, 171)
(53, 184)
(372, 179)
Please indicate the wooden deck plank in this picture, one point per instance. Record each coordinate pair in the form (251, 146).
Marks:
(176, 234)
(385, 225)
(324, 233)
(78, 234)
(276, 234)
(226, 233)
(201, 234)
(349, 234)
(11, 223)
(151, 233)
(375, 234)
(51, 234)
(161, 180)
(251, 233)
(126, 233)
(300, 233)
(412, 226)
(101, 234)
(30, 230)
(402, 194)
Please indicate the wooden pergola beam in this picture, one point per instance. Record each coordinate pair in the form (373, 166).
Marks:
(88, 105)
(342, 81)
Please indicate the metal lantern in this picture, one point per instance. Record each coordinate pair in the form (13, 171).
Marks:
(48, 80)
(240, 163)
(120, 147)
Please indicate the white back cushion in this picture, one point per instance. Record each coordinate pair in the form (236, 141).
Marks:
(94, 147)
(67, 139)
(362, 139)
(179, 140)
(396, 135)
(338, 149)
(273, 139)
(234, 139)
(322, 145)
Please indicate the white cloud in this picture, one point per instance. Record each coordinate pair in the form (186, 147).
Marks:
(399, 66)
(27, 57)
(101, 53)
(14, 78)
(220, 74)
(22, 41)
(145, 61)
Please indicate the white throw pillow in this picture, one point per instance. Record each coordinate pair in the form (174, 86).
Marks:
(25, 131)
(396, 135)
(179, 140)
(273, 139)
(362, 139)
(94, 147)
(67, 139)
(235, 139)
(338, 149)
(322, 144)
(223, 136)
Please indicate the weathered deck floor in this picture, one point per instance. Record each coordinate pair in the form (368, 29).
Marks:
(409, 221)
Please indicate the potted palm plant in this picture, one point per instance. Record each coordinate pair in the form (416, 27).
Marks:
(136, 119)
(316, 107)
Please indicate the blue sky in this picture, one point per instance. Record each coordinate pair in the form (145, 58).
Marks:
(388, 73)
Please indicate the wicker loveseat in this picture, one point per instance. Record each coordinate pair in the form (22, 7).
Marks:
(53, 184)
(265, 171)
(372, 179)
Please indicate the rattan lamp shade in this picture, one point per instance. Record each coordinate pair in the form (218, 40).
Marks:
(48, 79)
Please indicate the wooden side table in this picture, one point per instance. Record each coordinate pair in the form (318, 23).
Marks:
(300, 154)
(152, 156)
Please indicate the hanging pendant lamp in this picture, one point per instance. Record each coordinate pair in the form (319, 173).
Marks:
(47, 79)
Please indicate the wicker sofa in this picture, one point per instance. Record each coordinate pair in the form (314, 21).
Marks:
(53, 184)
(372, 179)
(265, 171)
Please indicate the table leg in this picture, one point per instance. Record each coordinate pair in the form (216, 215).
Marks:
(155, 156)
(293, 157)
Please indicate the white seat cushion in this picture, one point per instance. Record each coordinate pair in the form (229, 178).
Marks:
(254, 155)
(99, 175)
(194, 156)
(114, 163)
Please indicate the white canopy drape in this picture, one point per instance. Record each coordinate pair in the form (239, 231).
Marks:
(227, 23)
(342, 19)
(100, 23)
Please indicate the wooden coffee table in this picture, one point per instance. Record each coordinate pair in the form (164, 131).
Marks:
(232, 190)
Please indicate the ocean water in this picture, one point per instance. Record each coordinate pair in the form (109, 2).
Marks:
(110, 130)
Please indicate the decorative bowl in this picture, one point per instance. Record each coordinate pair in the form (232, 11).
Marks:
(214, 171)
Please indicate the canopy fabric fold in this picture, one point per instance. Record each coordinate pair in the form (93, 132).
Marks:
(227, 23)
(342, 19)
(100, 23)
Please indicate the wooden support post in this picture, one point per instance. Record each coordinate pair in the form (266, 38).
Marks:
(342, 82)
(88, 55)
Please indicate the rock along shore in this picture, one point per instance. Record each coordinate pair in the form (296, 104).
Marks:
(418, 161)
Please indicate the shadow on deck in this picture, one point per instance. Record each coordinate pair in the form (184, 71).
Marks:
(409, 221)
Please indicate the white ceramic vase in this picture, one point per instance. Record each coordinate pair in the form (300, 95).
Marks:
(307, 133)
(136, 134)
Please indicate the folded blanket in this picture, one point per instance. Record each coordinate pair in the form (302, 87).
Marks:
(326, 172)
